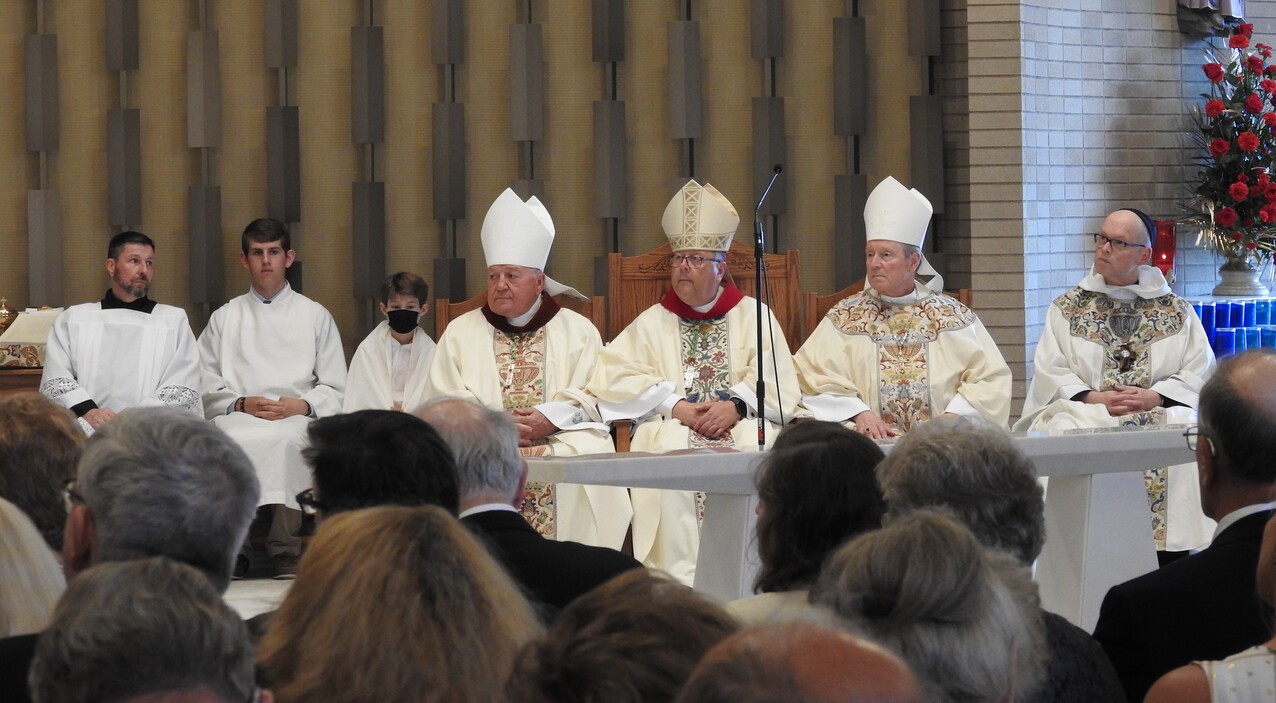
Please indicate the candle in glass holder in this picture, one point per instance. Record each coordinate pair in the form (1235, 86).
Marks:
(1224, 341)
(1164, 246)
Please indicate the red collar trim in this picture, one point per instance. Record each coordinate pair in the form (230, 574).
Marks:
(548, 310)
(729, 298)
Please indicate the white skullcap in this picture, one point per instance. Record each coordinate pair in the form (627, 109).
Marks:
(518, 233)
(699, 217)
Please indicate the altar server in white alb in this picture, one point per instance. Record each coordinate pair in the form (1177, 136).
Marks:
(901, 352)
(525, 355)
(686, 370)
(1121, 349)
(272, 362)
(390, 366)
(125, 350)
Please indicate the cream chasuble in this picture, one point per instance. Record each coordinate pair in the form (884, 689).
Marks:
(371, 382)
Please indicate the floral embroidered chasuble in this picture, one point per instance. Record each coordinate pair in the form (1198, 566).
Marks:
(1126, 331)
(520, 361)
(706, 363)
(902, 335)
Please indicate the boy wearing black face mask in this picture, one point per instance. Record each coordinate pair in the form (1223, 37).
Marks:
(389, 368)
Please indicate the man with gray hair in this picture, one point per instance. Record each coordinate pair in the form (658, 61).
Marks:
(152, 482)
(490, 478)
(974, 471)
(145, 630)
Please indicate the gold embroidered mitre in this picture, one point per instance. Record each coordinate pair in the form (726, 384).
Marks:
(699, 217)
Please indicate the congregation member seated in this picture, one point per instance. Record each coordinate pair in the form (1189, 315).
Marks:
(490, 476)
(388, 369)
(686, 371)
(799, 662)
(396, 604)
(963, 617)
(1249, 676)
(976, 473)
(1205, 606)
(152, 482)
(1119, 350)
(125, 350)
(524, 355)
(150, 630)
(901, 352)
(39, 446)
(635, 639)
(32, 579)
(272, 361)
(816, 490)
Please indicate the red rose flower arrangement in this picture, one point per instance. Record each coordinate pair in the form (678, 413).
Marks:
(1234, 200)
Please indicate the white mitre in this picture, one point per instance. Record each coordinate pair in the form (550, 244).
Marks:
(898, 214)
(699, 217)
(518, 233)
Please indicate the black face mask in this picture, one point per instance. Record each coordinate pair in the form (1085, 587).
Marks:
(403, 321)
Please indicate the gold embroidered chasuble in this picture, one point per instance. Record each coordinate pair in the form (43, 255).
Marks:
(706, 369)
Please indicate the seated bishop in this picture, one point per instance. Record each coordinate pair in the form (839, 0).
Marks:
(686, 371)
(525, 355)
(901, 352)
(125, 350)
(272, 362)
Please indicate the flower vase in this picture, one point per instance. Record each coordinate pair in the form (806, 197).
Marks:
(1238, 277)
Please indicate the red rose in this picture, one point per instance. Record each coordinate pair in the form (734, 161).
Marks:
(1245, 29)
(1266, 51)
(1251, 246)
(1254, 63)
(1270, 192)
(1263, 179)
(1242, 178)
(1219, 146)
(1238, 41)
(1214, 108)
(1238, 191)
(1225, 217)
(1270, 71)
(1248, 141)
(1268, 85)
(1236, 236)
(1269, 118)
(1254, 104)
(1214, 72)
(1265, 214)
(1248, 222)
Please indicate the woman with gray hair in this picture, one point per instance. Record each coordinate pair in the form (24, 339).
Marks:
(963, 617)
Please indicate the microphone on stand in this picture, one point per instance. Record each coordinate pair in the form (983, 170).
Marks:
(759, 266)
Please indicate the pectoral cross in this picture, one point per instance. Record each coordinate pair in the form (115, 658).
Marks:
(508, 376)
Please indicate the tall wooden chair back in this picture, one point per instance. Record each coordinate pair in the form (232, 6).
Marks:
(594, 309)
(815, 307)
(635, 283)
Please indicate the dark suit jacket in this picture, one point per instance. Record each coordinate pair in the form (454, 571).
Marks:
(16, 654)
(553, 573)
(1202, 607)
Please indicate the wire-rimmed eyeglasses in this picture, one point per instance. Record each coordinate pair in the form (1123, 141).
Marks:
(1100, 240)
(692, 261)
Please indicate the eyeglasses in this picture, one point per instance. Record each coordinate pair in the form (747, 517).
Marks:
(309, 504)
(1100, 240)
(1192, 434)
(69, 496)
(692, 261)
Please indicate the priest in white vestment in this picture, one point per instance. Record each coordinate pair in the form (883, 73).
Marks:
(686, 371)
(524, 354)
(125, 350)
(390, 366)
(272, 362)
(1121, 349)
(901, 352)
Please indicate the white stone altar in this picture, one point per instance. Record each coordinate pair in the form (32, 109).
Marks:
(1098, 532)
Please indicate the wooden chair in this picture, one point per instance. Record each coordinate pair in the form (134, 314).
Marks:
(594, 309)
(635, 283)
(815, 307)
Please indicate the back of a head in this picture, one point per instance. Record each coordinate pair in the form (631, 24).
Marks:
(799, 662)
(396, 604)
(635, 639)
(965, 618)
(484, 442)
(39, 446)
(379, 457)
(816, 492)
(162, 482)
(30, 577)
(1237, 413)
(974, 471)
(130, 628)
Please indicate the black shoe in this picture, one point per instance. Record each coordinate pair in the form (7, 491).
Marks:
(285, 567)
(241, 568)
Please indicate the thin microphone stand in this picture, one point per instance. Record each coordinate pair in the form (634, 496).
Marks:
(759, 265)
